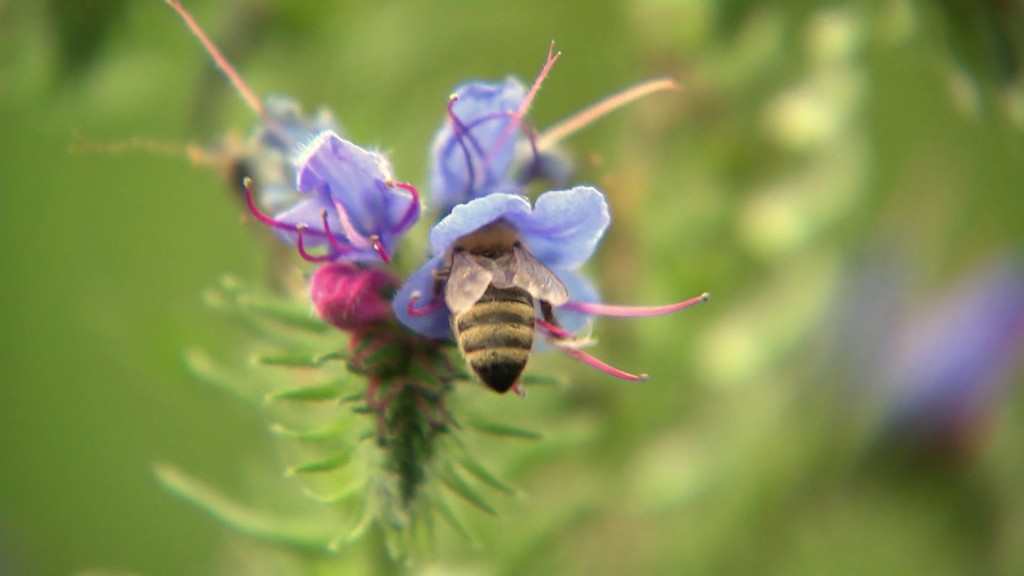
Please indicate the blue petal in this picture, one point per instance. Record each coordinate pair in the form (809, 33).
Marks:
(467, 167)
(580, 290)
(433, 325)
(466, 218)
(350, 174)
(565, 226)
(288, 128)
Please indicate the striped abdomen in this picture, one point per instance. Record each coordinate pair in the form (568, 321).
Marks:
(496, 335)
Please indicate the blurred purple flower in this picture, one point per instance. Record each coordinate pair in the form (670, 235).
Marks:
(948, 366)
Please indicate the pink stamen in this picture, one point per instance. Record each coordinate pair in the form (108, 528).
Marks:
(232, 75)
(519, 390)
(411, 310)
(335, 244)
(460, 130)
(379, 247)
(255, 211)
(306, 255)
(414, 204)
(562, 339)
(632, 311)
(525, 106)
(556, 331)
(602, 108)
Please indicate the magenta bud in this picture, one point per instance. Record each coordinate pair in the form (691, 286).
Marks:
(351, 297)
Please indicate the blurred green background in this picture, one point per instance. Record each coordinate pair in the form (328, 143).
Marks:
(831, 173)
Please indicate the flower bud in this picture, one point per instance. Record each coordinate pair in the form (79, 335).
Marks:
(350, 297)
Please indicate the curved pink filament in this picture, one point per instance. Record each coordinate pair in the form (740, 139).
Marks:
(414, 205)
(525, 105)
(379, 247)
(335, 244)
(232, 75)
(555, 331)
(602, 108)
(518, 389)
(255, 211)
(557, 336)
(460, 130)
(306, 255)
(632, 311)
(411, 310)
(353, 235)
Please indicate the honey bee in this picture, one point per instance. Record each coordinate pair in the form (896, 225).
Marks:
(493, 286)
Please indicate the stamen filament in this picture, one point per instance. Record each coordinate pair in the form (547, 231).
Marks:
(602, 108)
(82, 145)
(414, 205)
(232, 75)
(633, 311)
(335, 244)
(306, 255)
(255, 211)
(525, 106)
(460, 130)
(379, 247)
(411, 310)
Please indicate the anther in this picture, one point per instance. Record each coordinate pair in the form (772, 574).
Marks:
(255, 211)
(379, 247)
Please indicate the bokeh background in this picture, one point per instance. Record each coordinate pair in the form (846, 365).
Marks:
(844, 178)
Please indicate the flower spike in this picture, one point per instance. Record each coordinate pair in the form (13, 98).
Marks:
(599, 309)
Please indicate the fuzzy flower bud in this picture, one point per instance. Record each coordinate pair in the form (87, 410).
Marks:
(350, 297)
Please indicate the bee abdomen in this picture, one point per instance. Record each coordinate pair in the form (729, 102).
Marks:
(496, 336)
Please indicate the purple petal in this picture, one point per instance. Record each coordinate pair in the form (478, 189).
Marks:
(433, 325)
(580, 290)
(463, 164)
(473, 215)
(565, 226)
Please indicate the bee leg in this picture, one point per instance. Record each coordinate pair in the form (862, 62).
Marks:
(559, 336)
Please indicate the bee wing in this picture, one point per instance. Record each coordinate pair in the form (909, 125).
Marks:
(467, 282)
(530, 275)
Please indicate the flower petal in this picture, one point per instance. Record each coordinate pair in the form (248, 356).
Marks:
(435, 323)
(463, 163)
(565, 226)
(580, 290)
(475, 214)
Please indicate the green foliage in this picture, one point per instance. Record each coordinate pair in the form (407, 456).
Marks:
(813, 147)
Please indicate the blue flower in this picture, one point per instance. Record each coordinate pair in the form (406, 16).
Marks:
(561, 231)
(350, 205)
(267, 156)
(473, 151)
(947, 368)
